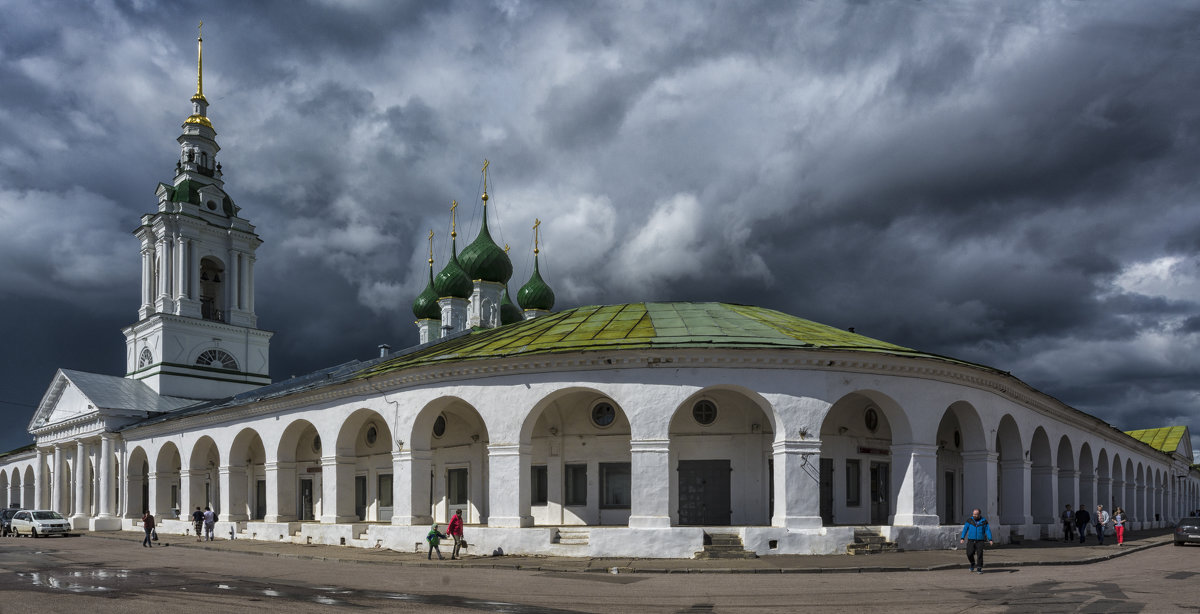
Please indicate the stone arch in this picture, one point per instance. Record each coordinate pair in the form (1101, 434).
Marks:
(1103, 493)
(4, 489)
(28, 488)
(168, 469)
(1042, 478)
(720, 450)
(961, 450)
(1010, 479)
(247, 497)
(204, 468)
(137, 480)
(449, 442)
(1117, 490)
(857, 433)
(1140, 511)
(298, 480)
(364, 468)
(1068, 475)
(571, 434)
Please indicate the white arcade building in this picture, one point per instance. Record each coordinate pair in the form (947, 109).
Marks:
(638, 429)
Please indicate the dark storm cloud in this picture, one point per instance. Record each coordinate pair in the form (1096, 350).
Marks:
(1012, 184)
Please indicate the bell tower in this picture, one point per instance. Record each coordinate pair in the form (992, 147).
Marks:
(197, 334)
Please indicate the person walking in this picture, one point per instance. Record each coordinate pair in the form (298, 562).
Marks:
(975, 532)
(1068, 523)
(456, 531)
(1102, 518)
(1082, 518)
(434, 538)
(148, 526)
(198, 522)
(210, 521)
(1119, 525)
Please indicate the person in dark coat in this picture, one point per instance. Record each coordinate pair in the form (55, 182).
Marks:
(1082, 518)
(975, 532)
(1068, 523)
(148, 526)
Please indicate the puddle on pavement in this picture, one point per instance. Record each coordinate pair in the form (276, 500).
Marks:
(63, 582)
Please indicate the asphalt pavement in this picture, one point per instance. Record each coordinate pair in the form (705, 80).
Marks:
(1027, 554)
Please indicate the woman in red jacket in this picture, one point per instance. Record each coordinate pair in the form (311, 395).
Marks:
(456, 531)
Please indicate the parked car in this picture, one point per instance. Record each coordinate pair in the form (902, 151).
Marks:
(6, 520)
(1187, 531)
(39, 522)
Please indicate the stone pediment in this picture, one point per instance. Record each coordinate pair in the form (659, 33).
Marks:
(75, 396)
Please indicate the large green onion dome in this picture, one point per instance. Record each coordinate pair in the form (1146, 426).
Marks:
(425, 307)
(453, 281)
(536, 293)
(509, 312)
(483, 259)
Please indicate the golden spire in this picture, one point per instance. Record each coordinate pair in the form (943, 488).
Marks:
(453, 219)
(536, 223)
(200, 60)
(485, 196)
(430, 248)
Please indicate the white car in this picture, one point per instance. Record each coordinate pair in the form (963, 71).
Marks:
(39, 522)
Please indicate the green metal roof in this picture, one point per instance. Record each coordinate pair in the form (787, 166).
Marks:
(1165, 439)
(635, 326)
(536, 293)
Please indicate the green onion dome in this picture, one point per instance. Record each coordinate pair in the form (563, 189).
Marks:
(453, 282)
(509, 312)
(426, 305)
(483, 259)
(536, 293)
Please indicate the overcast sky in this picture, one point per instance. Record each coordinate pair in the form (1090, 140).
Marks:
(1009, 183)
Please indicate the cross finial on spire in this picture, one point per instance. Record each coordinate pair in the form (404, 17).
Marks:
(506, 248)
(453, 219)
(200, 59)
(485, 196)
(536, 223)
(431, 248)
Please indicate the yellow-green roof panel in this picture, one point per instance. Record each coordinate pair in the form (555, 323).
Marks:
(1165, 439)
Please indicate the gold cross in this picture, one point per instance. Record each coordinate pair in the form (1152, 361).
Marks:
(485, 165)
(453, 219)
(536, 223)
(430, 247)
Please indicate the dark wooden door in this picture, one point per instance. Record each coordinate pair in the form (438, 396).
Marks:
(880, 492)
(827, 491)
(704, 497)
(360, 496)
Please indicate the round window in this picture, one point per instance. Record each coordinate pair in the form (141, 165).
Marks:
(316, 444)
(603, 414)
(372, 435)
(212, 206)
(704, 412)
(439, 426)
(871, 419)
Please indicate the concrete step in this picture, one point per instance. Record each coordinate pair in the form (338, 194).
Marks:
(725, 546)
(573, 537)
(869, 542)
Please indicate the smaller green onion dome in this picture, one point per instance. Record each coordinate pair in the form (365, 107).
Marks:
(483, 259)
(453, 282)
(509, 312)
(536, 293)
(426, 305)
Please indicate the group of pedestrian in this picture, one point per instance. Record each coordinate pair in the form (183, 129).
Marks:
(204, 520)
(454, 530)
(976, 530)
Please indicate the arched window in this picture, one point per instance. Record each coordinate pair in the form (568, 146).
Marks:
(217, 359)
(145, 358)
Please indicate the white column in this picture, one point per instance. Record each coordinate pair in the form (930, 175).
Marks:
(797, 493)
(1044, 481)
(980, 471)
(410, 487)
(650, 499)
(79, 515)
(337, 489)
(250, 284)
(277, 509)
(105, 519)
(193, 272)
(232, 283)
(155, 503)
(39, 480)
(60, 485)
(914, 468)
(508, 473)
(233, 482)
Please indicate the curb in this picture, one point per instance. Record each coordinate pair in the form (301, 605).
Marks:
(682, 570)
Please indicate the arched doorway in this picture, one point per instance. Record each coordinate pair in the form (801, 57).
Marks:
(960, 446)
(1067, 476)
(449, 462)
(579, 460)
(720, 449)
(27, 485)
(1087, 478)
(298, 481)
(137, 480)
(1041, 475)
(167, 480)
(1117, 494)
(1011, 477)
(855, 474)
(366, 438)
(247, 477)
(204, 468)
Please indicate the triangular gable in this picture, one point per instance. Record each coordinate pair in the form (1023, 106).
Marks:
(75, 393)
(61, 402)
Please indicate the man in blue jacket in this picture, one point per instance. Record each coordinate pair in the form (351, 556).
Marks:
(975, 532)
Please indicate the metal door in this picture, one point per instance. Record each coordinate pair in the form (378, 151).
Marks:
(360, 496)
(827, 491)
(880, 495)
(306, 499)
(704, 497)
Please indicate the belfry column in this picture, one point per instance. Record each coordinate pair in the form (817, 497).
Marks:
(914, 468)
(508, 506)
(797, 493)
(650, 499)
(79, 515)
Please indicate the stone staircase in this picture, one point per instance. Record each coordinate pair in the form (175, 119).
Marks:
(573, 536)
(867, 541)
(724, 546)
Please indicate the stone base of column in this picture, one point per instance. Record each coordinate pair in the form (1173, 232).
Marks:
(912, 520)
(649, 522)
(411, 521)
(339, 519)
(105, 523)
(79, 521)
(797, 522)
(510, 521)
(279, 518)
